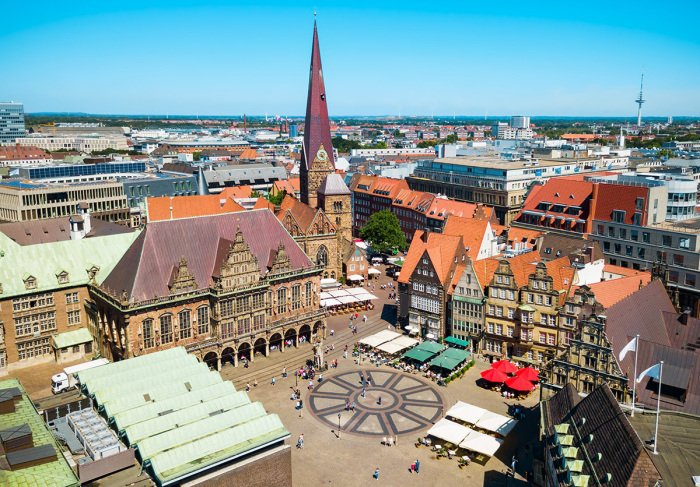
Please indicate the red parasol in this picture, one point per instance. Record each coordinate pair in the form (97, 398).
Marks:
(519, 384)
(493, 375)
(504, 366)
(528, 373)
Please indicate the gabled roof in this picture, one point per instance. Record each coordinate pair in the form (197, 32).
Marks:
(388, 187)
(302, 213)
(291, 185)
(55, 230)
(441, 249)
(563, 192)
(19, 153)
(249, 153)
(523, 236)
(333, 184)
(620, 197)
(603, 428)
(174, 207)
(263, 203)
(145, 269)
(520, 265)
(610, 292)
(472, 232)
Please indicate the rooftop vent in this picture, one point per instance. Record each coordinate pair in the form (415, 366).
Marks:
(581, 422)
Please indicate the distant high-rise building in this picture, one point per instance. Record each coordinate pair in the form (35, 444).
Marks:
(520, 122)
(669, 120)
(11, 121)
(293, 130)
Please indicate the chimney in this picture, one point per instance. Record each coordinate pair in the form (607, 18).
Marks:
(424, 236)
(685, 316)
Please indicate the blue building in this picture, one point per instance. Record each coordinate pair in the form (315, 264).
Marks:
(11, 121)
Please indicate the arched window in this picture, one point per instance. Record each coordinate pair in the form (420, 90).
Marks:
(308, 294)
(147, 333)
(322, 256)
(203, 319)
(184, 322)
(282, 300)
(166, 329)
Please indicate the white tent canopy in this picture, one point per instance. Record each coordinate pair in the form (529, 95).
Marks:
(391, 347)
(449, 431)
(405, 341)
(412, 329)
(338, 292)
(496, 422)
(466, 412)
(356, 277)
(330, 302)
(354, 291)
(481, 443)
(373, 341)
(387, 335)
(365, 296)
(374, 271)
(347, 299)
(328, 283)
(325, 295)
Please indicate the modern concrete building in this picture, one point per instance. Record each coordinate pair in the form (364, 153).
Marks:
(11, 122)
(520, 122)
(22, 156)
(81, 143)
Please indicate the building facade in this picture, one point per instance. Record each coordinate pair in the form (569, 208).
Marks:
(81, 143)
(11, 122)
(23, 156)
(466, 320)
(218, 287)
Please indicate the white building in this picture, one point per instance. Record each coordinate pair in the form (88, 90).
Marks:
(520, 122)
(81, 143)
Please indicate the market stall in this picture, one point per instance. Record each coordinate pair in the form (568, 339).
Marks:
(481, 443)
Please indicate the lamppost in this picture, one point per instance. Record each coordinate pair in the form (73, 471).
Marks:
(338, 425)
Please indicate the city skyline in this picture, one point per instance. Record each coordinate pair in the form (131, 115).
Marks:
(379, 61)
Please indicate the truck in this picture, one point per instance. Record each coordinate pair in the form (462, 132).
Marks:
(67, 379)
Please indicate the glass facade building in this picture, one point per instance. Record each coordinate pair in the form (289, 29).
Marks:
(11, 121)
(75, 170)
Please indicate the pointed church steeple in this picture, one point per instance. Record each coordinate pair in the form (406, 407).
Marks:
(317, 160)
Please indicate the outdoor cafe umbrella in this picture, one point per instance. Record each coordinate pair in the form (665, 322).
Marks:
(519, 384)
(528, 373)
(504, 366)
(493, 375)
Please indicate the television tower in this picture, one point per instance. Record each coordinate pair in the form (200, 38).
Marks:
(640, 100)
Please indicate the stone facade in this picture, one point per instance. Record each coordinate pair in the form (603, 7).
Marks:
(311, 179)
(588, 362)
(28, 322)
(467, 308)
(338, 209)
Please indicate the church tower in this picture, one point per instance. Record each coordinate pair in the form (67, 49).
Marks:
(317, 159)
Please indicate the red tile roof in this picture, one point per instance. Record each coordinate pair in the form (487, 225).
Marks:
(263, 203)
(291, 186)
(172, 208)
(442, 250)
(622, 271)
(620, 197)
(472, 232)
(521, 265)
(610, 292)
(370, 184)
(22, 153)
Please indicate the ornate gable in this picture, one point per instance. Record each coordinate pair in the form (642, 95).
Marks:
(291, 225)
(240, 267)
(182, 279)
(281, 261)
(322, 225)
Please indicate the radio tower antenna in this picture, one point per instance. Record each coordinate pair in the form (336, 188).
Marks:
(640, 100)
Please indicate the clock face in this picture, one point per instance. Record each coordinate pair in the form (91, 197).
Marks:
(322, 155)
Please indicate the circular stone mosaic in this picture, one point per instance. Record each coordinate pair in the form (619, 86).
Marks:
(394, 403)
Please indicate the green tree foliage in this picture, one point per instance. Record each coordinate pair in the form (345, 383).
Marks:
(384, 232)
(254, 194)
(196, 155)
(345, 145)
(277, 199)
(424, 144)
(398, 134)
(108, 151)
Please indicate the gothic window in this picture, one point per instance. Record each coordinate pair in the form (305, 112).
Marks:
(309, 297)
(296, 296)
(166, 329)
(203, 319)
(322, 256)
(184, 322)
(281, 300)
(148, 334)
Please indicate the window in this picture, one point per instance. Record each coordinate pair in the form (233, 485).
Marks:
(543, 319)
(618, 216)
(618, 248)
(640, 204)
(309, 295)
(666, 239)
(552, 320)
(628, 250)
(634, 235)
(606, 246)
(511, 295)
(539, 299)
(551, 339)
(690, 280)
(185, 323)
(242, 305)
(611, 231)
(243, 326)
(490, 327)
(511, 313)
(640, 252)
(530, 298)
(71, 298)
(567, 338)
(73, 317)
(678, 259)
(147, 333)
(415, 286)
(499, 310)
(684, 243)
(492, 309)
(499, 329)
(623, 233)
(258, 322)
(494, 292)
(637, 218)
(646, 237)
(296, 296)
(535, 285)
(502, 293)
(35, 323)
(601, 229)
(203, 319)
(543, 337)
(511, 331)
(421, 287)
(281, 300)
(166, 329)
(548, 300)
(88, 347)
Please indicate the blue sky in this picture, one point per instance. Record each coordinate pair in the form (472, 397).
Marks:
(379, 58)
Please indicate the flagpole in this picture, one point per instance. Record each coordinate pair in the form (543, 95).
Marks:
(634, 382)
(658, 407)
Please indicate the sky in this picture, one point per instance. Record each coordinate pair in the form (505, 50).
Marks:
(538, 58)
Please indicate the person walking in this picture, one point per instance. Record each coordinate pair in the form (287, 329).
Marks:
(345, 354)
(255, 383)
(284, 372)
(417, 466)
(376, 473)
(364, 392)
(273, 381)
(380, 400)
(353, 407)
(300, 443)
(396, 440)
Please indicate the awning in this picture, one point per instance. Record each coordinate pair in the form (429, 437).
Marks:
(466, 412)
(391, 347)
(449, 431)
(526, 307)
(347, 299)
(374, 271)
(418, 355)
(71, 338)
(432, 347)
(325, 295)
(373, 341)
(447, 363)
(330, 302)
(329, 283)
(412, 329)
(481, 443)
(365, 297)
(405, 341)
(356, 277)
(336, 293)
(387, 335)
(497, 423)
(457, 341)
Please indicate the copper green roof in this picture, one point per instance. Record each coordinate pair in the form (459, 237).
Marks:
(41, 262)
(51, 474)
(71, 338)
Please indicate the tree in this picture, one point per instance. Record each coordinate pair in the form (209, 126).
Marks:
(398, 134)
(255, 194)
(277, 198)
(424, 144)
(384, 232)
(196, 155)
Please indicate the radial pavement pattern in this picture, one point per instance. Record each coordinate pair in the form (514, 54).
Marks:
(393, 404)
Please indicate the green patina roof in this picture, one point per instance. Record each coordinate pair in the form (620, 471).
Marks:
(450, 358)
(70, 338)
(526, 307)
(430, 347)
(76, 257)
(562, 428)
(51, 474)
(419, 355)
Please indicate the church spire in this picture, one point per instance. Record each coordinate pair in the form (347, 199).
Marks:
(317, 152)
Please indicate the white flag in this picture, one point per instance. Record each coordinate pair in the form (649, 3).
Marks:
(652, 371)
(630, 347)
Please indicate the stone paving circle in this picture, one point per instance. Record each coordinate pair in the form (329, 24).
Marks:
(407, 403)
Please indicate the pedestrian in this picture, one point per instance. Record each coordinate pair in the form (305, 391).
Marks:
(255, 383)
(364, 391)
(320, 377)
(364, 318)
(247, 387)
(332, 332)
(298, 405)
(391, 441)
(380, 400)
(353, 407)
(345, 354)
(376, 473)
(311, 385)
(346, 347)
(396, 440)
(417, 466)
(413, 467)
(300, 444)
(273, 381)
(284, 372)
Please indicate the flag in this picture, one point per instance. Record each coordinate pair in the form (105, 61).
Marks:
(652, 371)
(630, 347)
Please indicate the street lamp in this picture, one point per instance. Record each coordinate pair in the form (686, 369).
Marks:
(338, 425)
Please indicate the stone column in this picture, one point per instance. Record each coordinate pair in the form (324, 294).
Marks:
(235, 358)
(218, 363)
(282, 344)
(267, 349)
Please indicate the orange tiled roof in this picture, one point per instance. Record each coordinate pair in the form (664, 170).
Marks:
(622, 271)
(291, 186)
(231, 206)
(579, 136)
(441, 208)
(620, 197)
(520, 265)
(249, 153)
(472, 232)
(236, 192)
(167, 208)
(613, 291)
(523, 236)
(263, 203)
(441, 249)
